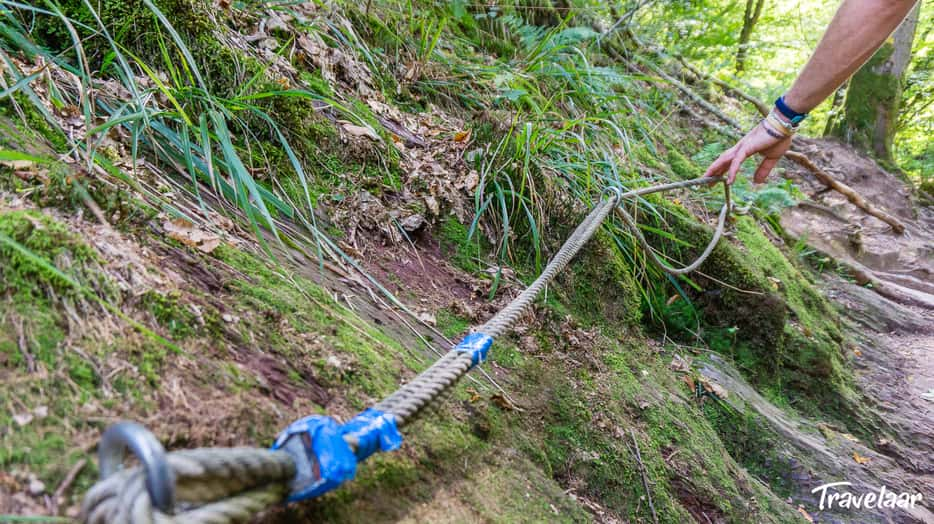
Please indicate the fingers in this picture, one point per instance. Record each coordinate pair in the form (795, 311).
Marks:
(721, 163)
(735, 164)
(762, 172)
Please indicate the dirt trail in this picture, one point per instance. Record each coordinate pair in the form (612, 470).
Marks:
(900, 267)
(889, 311)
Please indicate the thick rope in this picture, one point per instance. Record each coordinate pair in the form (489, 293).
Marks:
(410, 400)
(653, 254)
(253, 479)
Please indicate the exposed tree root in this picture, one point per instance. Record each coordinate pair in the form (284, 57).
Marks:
(855, 198)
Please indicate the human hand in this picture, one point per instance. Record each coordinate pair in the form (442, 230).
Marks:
(763, 140)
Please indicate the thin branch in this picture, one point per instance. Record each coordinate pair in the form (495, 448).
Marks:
(645, 477)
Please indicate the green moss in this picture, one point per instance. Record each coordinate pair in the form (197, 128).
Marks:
(316, 83)
(36, 124)
(48, 240)
(752, 443)
(170, 314)
(600, 287)
(375, 359)
(451, 324)
(681, 165)
(775, 325)
(465, 253)
(588, 429)
(136, 27)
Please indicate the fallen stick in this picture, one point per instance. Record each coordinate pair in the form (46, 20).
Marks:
(67, 482)
(645, 479)
(855, 198)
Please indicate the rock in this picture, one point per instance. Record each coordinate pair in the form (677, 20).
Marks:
(21, 419)
(428, 318)
(412, 223)
(36, 487)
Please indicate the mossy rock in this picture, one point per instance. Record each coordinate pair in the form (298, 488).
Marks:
(600, 284)
(770, 318)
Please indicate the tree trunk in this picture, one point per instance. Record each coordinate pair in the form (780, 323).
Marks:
(835, 107)
(750, 18)
(870, 110)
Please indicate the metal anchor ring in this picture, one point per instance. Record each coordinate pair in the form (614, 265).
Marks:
(160, 480)
(614, 190)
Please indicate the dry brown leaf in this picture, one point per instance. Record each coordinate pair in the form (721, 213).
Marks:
(805, 514)
(432, 204)
(671, 300)
(680, 364)
(860, 459)
(502, 403)
(474, 395)
(711, 386)
(356, 130)
(210, 245)
(473, 178)
(190, 235)
(462, 136)
(690, 382)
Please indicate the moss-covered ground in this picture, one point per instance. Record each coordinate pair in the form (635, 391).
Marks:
(236, 340)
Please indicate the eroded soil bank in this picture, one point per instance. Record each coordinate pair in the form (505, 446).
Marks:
(800, 354)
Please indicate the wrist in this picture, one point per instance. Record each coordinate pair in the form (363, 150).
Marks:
(788, 112)
(771, 131)
(773, 121)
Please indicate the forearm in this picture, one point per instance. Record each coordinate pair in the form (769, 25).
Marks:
(856, 31)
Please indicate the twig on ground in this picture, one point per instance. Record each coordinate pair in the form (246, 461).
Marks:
(23, 347)
(67, 482)
(855, 198)
(645, 478)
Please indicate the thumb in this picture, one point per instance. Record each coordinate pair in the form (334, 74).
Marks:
(735, 165)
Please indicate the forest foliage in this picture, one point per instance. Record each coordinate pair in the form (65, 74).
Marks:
(785, 34)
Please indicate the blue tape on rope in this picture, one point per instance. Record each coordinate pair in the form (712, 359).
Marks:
(477, 344)
(374, 431)
(323, 460)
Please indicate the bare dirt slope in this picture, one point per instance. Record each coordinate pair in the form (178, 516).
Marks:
(886, 293)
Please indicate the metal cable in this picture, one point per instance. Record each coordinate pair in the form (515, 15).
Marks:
(409, 401)
(653, 254)
(216, 485)
(230, 485)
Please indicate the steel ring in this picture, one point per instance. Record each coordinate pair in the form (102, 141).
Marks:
(612, 189)
(160, 480)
